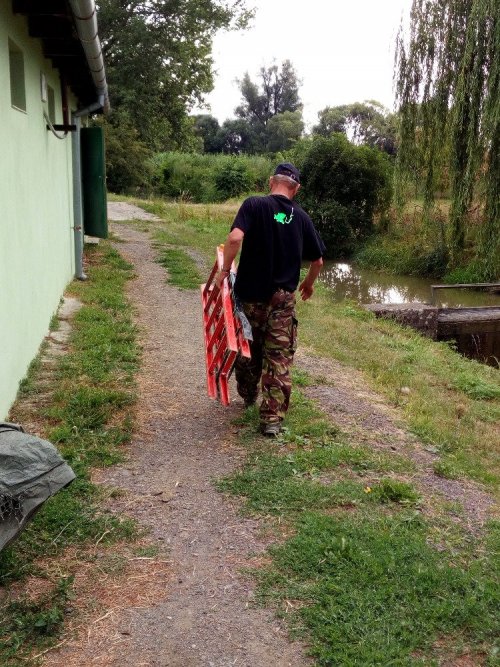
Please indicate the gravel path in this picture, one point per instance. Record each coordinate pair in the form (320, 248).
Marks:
(120, 210)
(184, 441)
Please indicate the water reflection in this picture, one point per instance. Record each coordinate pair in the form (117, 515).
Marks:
(364, 286)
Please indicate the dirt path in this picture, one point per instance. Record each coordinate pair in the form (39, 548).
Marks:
(120, 210)
(184, 441)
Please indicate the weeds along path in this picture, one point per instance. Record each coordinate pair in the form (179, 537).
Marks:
(183, 441)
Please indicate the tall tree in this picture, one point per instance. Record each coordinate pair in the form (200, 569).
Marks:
(158, 59)
(207, 127)
(448, 89)
(278, 92)
(367, 123)
(238, 136)
(284, 130)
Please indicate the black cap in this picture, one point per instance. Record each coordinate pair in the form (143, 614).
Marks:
(288, 169)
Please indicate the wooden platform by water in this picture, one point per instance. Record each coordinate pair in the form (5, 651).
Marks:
(475, 330)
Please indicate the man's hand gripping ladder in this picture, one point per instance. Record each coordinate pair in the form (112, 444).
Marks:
(222, 330)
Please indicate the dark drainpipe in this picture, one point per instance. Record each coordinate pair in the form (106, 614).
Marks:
(84, 13)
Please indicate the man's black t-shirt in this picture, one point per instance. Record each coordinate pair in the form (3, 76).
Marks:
(278, 236)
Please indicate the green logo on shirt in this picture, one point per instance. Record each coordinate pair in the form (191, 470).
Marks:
(282, 218)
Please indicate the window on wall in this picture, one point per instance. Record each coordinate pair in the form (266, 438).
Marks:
(51, 103)
(17, 82)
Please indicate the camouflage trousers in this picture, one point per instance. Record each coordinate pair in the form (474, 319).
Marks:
(274, 327)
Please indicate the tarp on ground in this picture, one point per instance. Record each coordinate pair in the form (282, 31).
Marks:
(31, 470)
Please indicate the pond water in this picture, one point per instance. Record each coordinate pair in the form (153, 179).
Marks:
(348, 281)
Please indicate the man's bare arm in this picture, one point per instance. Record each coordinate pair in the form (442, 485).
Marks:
(231, 249)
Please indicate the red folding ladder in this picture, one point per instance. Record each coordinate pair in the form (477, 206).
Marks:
(222, 331)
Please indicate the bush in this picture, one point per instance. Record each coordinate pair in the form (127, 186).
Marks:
(344, 187)
(208, 178)
(470, 273)
(403, 253)
(183, 175)
(232, 180)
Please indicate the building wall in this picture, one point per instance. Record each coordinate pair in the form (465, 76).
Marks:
(36, 210)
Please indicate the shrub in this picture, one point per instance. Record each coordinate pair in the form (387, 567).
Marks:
(183, 175)
(208, 178)
(410, 255)
(232, 180)
(344, 187)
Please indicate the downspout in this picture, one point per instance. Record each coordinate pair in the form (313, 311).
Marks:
(77, 198)
(84, 13)
(76, 119)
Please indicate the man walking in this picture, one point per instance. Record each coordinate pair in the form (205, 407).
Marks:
(274, 235)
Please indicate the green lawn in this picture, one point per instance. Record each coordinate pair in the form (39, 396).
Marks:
(360, 571)
(453, 403)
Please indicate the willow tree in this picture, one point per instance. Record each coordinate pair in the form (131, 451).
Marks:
(448, 93)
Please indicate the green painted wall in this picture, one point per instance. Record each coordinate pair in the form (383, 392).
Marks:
(36, 210)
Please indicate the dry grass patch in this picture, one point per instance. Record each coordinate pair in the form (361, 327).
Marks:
(107, 584)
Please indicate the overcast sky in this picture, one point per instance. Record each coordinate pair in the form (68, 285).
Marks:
(343, 51)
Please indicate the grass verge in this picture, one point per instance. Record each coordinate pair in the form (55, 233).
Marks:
(83, 406)
(359, 573)
(370, 590)
(200, 226)
(451, 403)
(182, 269)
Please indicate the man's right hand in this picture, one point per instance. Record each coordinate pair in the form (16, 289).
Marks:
(306, 290)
